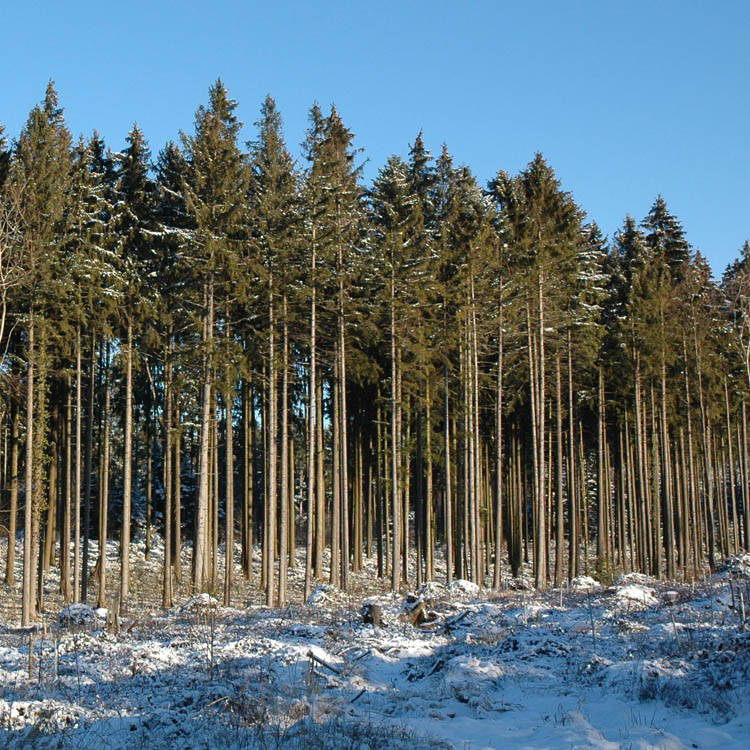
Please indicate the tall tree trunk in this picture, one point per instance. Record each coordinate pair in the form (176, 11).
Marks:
(334, 574)
(229, 492)
(343, 435)
(53, 450)
(177, 469)
(573, 526)
(28, 613)
(284, 506)
(395, 450)
(127, 466)
(429, 507)
(77, 495)
(292, 544)
(214, 537)
(560, 533)
(707, 454)
(201, 561)
(88, 471)
(382, 497)
(497, 574)
(312, 424)
(10, 560)
(541, 532)
(167, 594)
(320, 490)
(746, 477)
(65, 579)
(668, 492)
(104, 493)
(404, 472)
(641, 473)
(602, 551)
(448, 480)
(149, 479)
(272, 437)
(734, 535)
(248, 521)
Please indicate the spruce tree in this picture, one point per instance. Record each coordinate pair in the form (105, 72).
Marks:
(131, 224)
(275, 230)
(393, 217)
(666, 238)
(341, 219)
(311, 200)
(169, 341)
(215, 192)
(40, 171)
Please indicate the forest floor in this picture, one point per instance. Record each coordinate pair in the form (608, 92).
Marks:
(638, 665)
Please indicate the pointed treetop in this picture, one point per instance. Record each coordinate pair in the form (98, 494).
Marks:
(136, 137)
(51, 107)
(421, 176)
(215, 120)
(270, 123)
(137, 153)
(418, 151)
(313, 136)
(219, 98)
(666, 237)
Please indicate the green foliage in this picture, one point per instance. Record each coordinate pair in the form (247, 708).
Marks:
(199, 252)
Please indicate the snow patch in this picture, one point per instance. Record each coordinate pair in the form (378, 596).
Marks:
(636, 593)
(463, 587)
(584, 583)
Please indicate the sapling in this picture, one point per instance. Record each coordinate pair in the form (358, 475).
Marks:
(676, 631)
(31, 654)
(207, 623)
(593, 624)
(742, 611)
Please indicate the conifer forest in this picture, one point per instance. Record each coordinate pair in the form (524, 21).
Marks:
(265, 359)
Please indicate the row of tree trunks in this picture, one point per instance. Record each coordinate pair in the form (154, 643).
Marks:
(661, 495)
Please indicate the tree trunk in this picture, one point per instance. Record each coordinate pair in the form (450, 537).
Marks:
(10, 561)
(448, 480)
(177, 486)
(272, 436)
(28, 603)
(89, 461)
(78, 464)
(560, 533)
(334, 574)
(343, 435)
(312, 425)
(104, 494)
(65, 579)
(284, 520)
(320, 490)
(248, 521)
(429, 507)
(127, 469)
(573, 534)
(201, 560)
(395, 451)
(229, 491)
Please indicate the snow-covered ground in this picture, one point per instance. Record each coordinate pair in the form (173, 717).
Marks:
(634, 666)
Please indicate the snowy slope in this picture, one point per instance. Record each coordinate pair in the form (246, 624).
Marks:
(636, 665)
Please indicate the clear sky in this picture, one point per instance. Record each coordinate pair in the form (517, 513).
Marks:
(626, 99)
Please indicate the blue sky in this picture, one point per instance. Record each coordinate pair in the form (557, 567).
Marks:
(626, 99)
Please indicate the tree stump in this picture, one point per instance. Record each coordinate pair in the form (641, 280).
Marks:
(372, 614)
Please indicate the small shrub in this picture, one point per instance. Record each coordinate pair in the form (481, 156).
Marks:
(605, 571)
